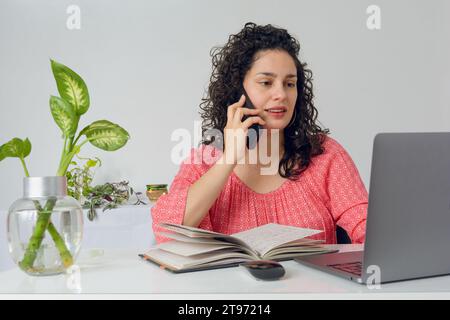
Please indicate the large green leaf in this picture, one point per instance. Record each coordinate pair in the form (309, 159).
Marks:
(106, 135)
(97, 125)
(26, 148)
(71, 87)
(15, 148)
(64, 115)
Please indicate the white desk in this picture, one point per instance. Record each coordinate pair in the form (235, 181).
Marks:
(121, 271)
(126, 227)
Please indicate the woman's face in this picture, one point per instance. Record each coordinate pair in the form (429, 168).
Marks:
(271, 84)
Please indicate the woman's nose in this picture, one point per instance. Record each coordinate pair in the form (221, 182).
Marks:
(279, 92)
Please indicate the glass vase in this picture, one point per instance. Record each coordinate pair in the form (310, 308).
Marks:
(45, 227)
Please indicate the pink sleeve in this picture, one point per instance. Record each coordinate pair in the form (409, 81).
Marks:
(348, 198)
(171, 206)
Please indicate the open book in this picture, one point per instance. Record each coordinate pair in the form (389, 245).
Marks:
(193, 249)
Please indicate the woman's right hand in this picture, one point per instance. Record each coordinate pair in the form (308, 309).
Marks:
(235, 131)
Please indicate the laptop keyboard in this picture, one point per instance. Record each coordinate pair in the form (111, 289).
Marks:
(353, 267)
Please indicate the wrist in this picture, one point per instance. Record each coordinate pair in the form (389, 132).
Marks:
(227, 161)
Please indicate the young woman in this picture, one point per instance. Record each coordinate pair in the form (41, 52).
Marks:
(316, 184)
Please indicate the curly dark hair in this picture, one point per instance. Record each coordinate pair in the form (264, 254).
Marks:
(303, 138)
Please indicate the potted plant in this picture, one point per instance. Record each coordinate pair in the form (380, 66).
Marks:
(45, 207)
(107, 196)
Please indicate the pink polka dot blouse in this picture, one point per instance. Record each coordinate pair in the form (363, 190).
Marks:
(329, 192)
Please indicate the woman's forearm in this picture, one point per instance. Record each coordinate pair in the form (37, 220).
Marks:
(203, 193)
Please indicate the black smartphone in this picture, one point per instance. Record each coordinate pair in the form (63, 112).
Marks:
(253, 135)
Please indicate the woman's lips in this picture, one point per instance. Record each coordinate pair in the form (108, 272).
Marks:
(277, 112)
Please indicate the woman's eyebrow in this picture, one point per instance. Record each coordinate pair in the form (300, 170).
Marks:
(271, 74)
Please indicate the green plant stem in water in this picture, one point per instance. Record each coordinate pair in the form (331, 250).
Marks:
(65, 254)
(44, 223)
(38, 235)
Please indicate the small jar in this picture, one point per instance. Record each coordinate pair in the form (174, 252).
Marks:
(154, 191)
(45, 227)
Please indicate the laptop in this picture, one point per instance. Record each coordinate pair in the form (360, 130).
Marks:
(408, 218)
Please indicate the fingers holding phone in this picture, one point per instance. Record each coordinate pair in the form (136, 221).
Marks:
(238, 115)
(239, 120)
(244, 117)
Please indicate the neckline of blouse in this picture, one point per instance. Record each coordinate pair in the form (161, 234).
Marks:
(281, 187)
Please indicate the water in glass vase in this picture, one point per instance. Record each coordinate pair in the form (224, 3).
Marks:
(45, 227)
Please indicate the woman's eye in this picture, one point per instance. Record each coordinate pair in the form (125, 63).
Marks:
(291, 85)
(265, 83)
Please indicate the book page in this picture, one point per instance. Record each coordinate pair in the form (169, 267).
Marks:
(197, 233)
(262, 239)
(176, 262)
(191, 231)
(183, 238)
(186, 249)
(295, 252)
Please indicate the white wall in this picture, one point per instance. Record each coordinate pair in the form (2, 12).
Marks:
(147, 64)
